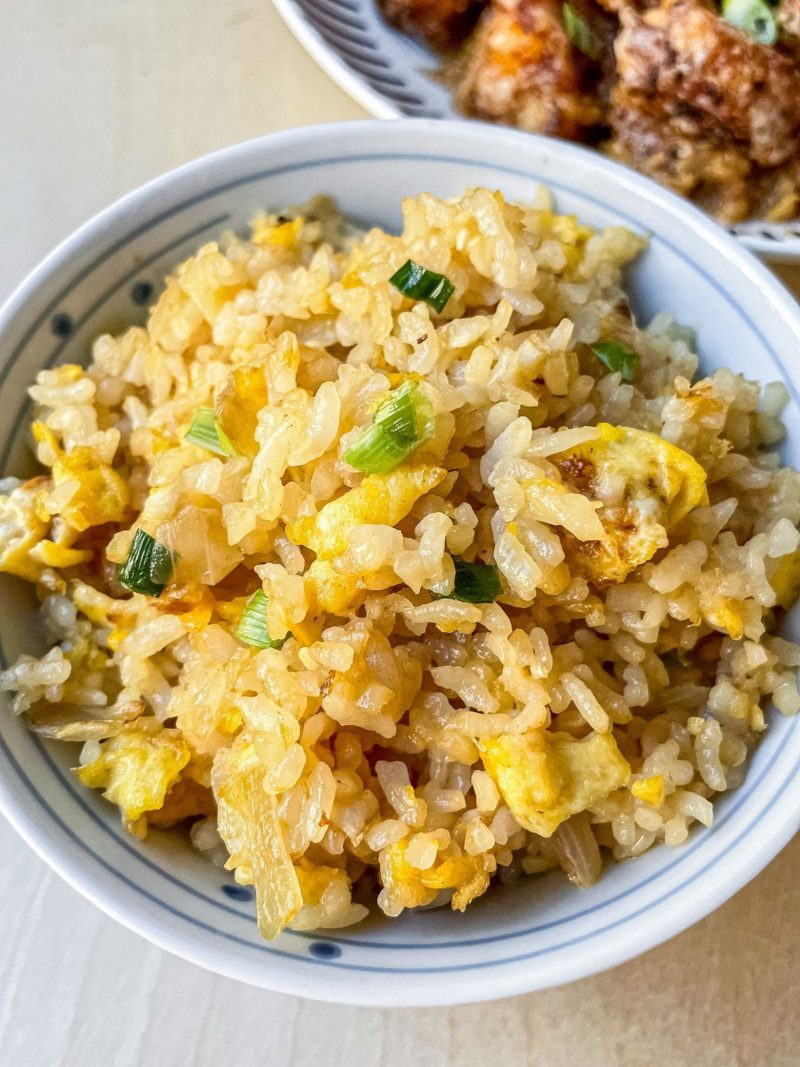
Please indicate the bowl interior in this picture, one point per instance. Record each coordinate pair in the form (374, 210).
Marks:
(539, 931)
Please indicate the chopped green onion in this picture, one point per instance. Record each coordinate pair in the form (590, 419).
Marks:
(754, 17)
(419, 283)
(476, 583)
(617, 357)
(579, 32)
(206, 431)
(402, 422)
(148, 567)
(252, 628)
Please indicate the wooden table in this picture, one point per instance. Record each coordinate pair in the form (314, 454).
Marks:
(98, 96)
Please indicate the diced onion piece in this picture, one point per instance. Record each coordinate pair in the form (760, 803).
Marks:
(206, 432)
(252, 628)
(754, 17)
(577, 850)
(617, 357)
(403, 421)
(148, 566)
(419, 283)
(249, 825)
(476, 583)
(579, 32)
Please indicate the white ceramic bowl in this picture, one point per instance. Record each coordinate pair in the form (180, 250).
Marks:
(541, 932)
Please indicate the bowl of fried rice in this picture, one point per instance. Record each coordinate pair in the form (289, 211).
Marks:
(399, 547)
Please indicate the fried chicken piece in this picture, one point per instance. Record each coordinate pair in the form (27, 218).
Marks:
(686, 58)
(706, 110)
(673, 151)
(716, 174)
(442, 23)
(523, 70)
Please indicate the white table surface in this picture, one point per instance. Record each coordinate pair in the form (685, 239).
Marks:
(95, 97)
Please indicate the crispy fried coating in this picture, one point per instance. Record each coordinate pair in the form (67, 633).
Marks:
(688, 59)
(522, 69)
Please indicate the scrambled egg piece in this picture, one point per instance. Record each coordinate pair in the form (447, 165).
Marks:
(785, 579)
(194, 609)
(547, 777)
(647, 486)
(239, 404)
(571, 234)
(247, 819)
(381, 498)
(402, 882)
(284, 234)
(51, 554)
(316, 881)
(335, 593)
(332, 592)
(650, 790)
(100, 494)
(724, 614)
(136, 769)
(21, 530)
(468, 875)
(409, 887)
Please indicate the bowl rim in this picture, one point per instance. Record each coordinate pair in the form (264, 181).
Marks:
(63, 856)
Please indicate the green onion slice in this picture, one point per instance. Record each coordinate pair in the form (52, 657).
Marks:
(148, 567)
(403, 421)
(617, 357)
(476, 583)
(252, 628)
(419, 283)
(754, 17)
(579, 32)
(206, 431)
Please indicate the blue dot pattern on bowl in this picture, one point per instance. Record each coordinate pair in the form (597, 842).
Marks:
(238, 892)
(61, 325)
(142, 293)
(324, 950)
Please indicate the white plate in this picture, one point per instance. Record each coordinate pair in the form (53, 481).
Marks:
(393, 76)
(542, 931)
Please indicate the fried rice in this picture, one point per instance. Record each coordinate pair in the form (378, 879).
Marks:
(543, 637)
